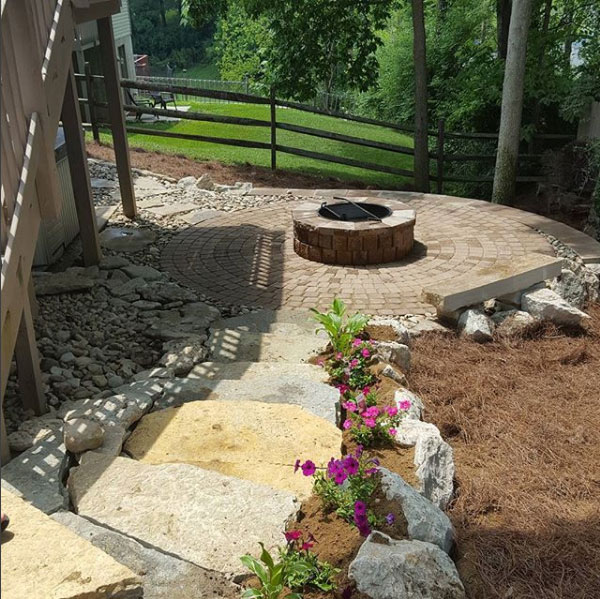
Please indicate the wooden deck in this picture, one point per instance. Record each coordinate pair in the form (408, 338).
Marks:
(37, 87)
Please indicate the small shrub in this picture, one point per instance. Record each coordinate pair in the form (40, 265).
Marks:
(341, 331)
(350, 371)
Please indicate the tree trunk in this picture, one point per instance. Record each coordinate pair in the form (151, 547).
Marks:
(503, 8)
(421, 146)
(161, 7)
(512, 104)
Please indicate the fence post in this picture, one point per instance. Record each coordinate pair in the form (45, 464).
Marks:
(440, 156)
(89, 83)
(273, 130)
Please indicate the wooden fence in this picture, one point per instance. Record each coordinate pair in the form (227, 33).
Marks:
(439, 156)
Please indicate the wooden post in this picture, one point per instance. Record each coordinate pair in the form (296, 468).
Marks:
(440, 156)
(5, 448)
(28, 365)
(89, 83)
(80, 176)
(273, 130)
(117, 117)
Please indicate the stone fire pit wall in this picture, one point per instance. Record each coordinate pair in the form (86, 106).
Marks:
(353, 243)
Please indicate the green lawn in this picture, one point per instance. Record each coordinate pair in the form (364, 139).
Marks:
(235, 155)
(200, 71)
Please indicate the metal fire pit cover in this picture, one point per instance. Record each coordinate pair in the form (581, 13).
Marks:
(354, 211)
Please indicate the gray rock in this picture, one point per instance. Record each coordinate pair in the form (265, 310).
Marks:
(391, 373)
(132, 286)
(205, 182)
(135, 271)
(199, 216)
(515, 324)
(146, 305)
(426, 522)
(100, 381)
(282, 322)
(126, 239)
(20, 440)
(401, 332)
(186, 182)
(475, 325)
(185, 510)
(38, 473)
(113, 262)
(157, 291)
(182, 356)
(433, 458)
(67, 358)
(394, 353)
(163, 576)
(546, 304)
(63, 336)
(62, 282)
(152, 388)
(81, 435)
(114, 381)
(154, 373)
(571, 287)
(388, 569)
(415, 411)
(250, 371)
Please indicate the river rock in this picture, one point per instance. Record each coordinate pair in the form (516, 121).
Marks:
(546, 304)
(388, 569)
(200, 516)
(426, 522)
(81, 435)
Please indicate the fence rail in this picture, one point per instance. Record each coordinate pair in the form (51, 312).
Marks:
(439, 157)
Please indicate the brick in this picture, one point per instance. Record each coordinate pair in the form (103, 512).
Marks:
(314, 253)
(325, 241)
(329, 256)
(340, 242)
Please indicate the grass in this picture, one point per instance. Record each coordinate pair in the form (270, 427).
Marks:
(200, 71)
(235, 155)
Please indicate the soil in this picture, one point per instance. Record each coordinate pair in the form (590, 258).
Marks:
(380, 333)
(523, 419)
(178, 166)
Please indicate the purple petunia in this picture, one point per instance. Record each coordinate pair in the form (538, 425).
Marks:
(308, 468)
(390, 519)
(360, 508)
(351, 465)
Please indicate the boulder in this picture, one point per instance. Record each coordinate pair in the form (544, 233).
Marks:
(514, 323)
(546, 304)
(426, 522)
(42, 558)
(249, 371)
(237, 440)
(388, 569)
(394, 353)
(186, 182)
(415, 411)
(391, 373)
(80, 435)
(205, 182)
(200, 516)
(475, 325)
(182, 355)
(62, 282)
(433, 458)
(571, 287)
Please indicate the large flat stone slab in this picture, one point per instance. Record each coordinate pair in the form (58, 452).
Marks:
(163, 576)
(255, 441)
(233, 345)
(41, 558)
(493, 281)
(272, 321)
(245, 371)
(319, 398)
(126, 239)
(199, 515)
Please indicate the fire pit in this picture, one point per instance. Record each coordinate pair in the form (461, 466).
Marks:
(355, 231)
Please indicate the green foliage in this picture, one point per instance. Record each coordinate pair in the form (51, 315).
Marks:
(271, 576)
(341, 331)
(303, 569)
(350, 371)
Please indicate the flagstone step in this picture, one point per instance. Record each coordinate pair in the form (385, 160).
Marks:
(246, 371)
(271, 321)
(198, 515)
(255, 441)
(501, 278)
(234, 345)
(320, 399)
(258, 442)
(42, 558)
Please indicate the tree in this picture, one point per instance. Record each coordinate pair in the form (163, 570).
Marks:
(421, 162)
(512, 103)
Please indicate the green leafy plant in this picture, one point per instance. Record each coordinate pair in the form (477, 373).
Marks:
(341, 331)
(350, 372)
(272, 576)
(312, 572)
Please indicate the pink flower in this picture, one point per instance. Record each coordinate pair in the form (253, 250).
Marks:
(339, 477)
(339, 355)
(357, 342)
(366, 390)
(360, 508)
(371, 412)
(353, 363)
(370, 423)
(296, 466)
(405, 404)
(365, 353)
(306, 546)
(320, 363)
(308, 468)
(391, 410)
(347, 424)
(350, 406)
(392, 432)
(292, 535)
(351, 464)
(343, 388)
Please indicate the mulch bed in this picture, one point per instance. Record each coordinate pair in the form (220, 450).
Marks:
(523, 418)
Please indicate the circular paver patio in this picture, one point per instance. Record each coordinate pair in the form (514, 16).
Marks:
(247, 257)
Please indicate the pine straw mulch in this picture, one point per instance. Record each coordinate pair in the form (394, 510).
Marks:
(523, 418)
